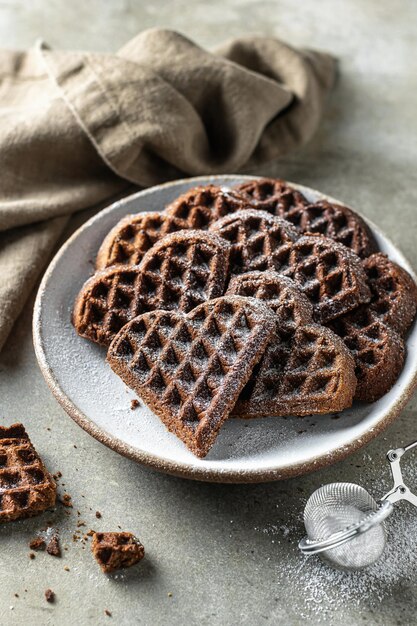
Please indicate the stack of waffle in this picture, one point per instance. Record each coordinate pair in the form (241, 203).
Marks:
(247, 302)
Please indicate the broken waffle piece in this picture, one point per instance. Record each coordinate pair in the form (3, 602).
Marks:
(116, 550)
(394, 292)
(26, 487)
(190, 369)
(179, 272)
(329, 219)
(133, 236)
(201, 206)
(305, 369)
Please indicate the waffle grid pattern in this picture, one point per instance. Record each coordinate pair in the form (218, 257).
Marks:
(178, 273)
(329, 274)
(201, 206)
(259, 241)
(116, 550)
(133, 236)
(330, 220)
(280, 293)
(26, 488)
(192, 368)
(394, 292)
(301, 370)
(378, 351)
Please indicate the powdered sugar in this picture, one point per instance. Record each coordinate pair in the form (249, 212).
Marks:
(326, 595)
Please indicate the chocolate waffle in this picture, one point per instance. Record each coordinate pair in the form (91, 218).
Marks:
(340, 223)
(379, 352)
(201, 206)
(190, 369)
(275, 196)
(134, 235)
(306, 369)
(116, 550)
(179, 272)
(26, 487)
(312, 372)
(280, 293)
(329, 274)
(259, 240)
(394, 292)
(328, 219)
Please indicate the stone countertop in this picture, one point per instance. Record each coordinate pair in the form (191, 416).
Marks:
(223, 554)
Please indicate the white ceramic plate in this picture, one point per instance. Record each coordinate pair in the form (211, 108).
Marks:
(245, 450)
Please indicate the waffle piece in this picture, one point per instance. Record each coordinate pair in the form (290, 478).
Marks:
(379, 352)
(329, 274)
(201, 206)
(340, 223)
(275, 196)
(117, 550)
(26, 487)
(305, 369)
(280, 293)
(190, 369)
(328, 219)
(134, 235)
(311, 373)
(259, 240)
(394, 292)
(180, 272)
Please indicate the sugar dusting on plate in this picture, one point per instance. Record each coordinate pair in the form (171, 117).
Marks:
(326, 595)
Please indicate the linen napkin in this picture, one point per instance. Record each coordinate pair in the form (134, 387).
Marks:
(77, 128)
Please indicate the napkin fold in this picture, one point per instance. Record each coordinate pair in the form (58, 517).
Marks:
(77, 128)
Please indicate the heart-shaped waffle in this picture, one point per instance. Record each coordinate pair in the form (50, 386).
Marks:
(339, 223)
(394, 292)
(306, 369)
(179, 272)
(329, 274)
(133, 236)
(259, 240)
(275, 196)
(26, 487)
(328, 219)
(379, 352)
(280, 293)
(313, 372)
(190, 369)
(201, 206)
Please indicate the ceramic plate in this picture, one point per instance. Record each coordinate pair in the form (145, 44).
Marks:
(246, 450)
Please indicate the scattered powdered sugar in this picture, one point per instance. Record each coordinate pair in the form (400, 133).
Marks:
(322, 594)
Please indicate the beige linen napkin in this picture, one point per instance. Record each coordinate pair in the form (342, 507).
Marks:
(77, 128)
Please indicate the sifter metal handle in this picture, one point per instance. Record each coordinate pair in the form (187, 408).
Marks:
(400, 491)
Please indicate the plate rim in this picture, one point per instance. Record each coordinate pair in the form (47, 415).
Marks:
(171, 467)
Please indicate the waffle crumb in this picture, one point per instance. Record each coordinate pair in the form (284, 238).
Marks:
(37, 544)
(134, 404)
(53, 548)
(114, 551)
(66, 500)
(50, 596)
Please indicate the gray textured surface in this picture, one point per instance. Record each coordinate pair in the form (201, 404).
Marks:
(226, 553)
